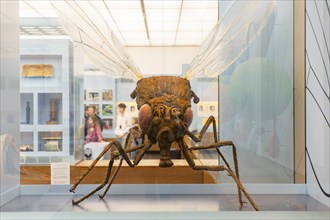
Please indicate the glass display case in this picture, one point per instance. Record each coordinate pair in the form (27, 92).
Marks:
(46, 84)
(252, 102)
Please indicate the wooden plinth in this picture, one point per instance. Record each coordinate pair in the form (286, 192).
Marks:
(147, 172)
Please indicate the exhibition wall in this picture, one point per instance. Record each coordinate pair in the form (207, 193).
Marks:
(317, 100)
(9, 102)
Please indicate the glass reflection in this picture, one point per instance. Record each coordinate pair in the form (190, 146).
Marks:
(256, 103)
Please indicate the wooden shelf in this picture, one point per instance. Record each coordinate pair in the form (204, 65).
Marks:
(147, 172)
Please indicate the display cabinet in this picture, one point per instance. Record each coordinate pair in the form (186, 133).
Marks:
(45, 84)
(101, 92)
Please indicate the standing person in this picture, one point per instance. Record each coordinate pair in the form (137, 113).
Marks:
(123, 124)
(86, 121)
(94, 130)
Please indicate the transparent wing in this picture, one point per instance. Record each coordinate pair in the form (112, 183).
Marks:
(240, 23)
(90, 28)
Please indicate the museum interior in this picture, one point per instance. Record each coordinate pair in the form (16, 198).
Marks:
(165, 109)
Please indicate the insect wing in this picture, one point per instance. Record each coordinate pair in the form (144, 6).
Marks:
(237, 27)
(90, 28)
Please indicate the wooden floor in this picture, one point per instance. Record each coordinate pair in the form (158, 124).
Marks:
(147, 172)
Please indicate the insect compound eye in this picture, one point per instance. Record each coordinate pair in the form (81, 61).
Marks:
(145, 117)
(188, 116)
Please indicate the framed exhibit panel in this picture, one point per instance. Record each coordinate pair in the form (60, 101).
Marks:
(107, 94)
(93, 96)
(107, 110)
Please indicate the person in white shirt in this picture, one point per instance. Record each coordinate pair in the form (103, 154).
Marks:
(123, 124)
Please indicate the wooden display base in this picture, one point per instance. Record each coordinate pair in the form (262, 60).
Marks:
(147, 172)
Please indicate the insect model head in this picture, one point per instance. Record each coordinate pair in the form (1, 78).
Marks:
(164, 107)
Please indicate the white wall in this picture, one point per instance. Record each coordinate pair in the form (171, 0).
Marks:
(9, 102)
(317, 99)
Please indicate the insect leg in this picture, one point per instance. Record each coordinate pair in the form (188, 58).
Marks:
(123, 152)
(84, 173)
(190, 160)
(210, 120)
(112, 179)
(100, 186)
(222, 144)
(188, 157)
(139, 155)
(119, 166)
(217, 144)
(240, 186)
(236, 170)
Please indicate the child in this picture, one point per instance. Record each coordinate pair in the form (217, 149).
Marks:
(94, 130)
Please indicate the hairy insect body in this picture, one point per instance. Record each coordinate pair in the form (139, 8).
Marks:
(164, 116)
(164, 104)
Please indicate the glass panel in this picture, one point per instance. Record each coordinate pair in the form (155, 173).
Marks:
(256, 103)
(46, 116)
(255, 94)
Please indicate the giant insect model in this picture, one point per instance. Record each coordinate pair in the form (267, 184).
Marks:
(164, 102)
